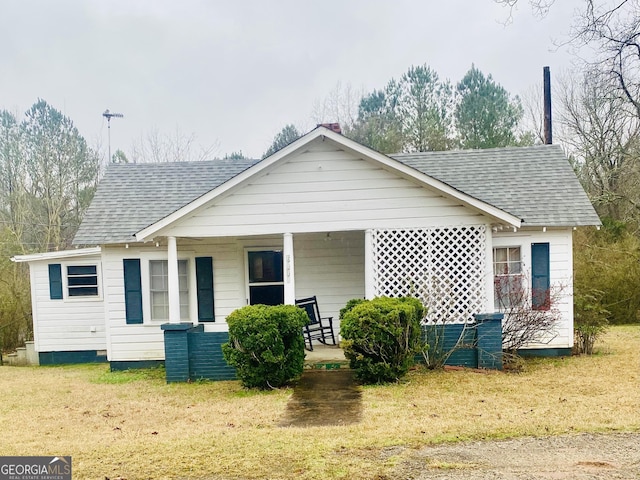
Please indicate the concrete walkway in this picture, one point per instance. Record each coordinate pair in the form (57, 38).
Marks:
(324, 397)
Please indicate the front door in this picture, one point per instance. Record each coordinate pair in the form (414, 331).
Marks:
(265, 278)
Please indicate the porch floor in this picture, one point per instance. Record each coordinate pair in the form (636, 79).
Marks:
(325, 356)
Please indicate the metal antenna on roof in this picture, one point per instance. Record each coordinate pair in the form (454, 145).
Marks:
(108, 115)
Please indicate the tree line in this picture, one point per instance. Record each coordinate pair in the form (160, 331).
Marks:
(48, 175)
(421, 112)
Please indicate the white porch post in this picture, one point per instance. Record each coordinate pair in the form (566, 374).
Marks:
(369, 273)
(489, 284)
(288, 267)
(173, 281)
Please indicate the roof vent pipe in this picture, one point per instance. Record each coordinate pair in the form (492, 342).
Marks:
(548, 139)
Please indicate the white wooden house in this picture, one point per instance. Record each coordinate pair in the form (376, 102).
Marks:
(324, 216)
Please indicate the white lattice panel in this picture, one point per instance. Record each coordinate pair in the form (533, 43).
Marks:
(445, 267)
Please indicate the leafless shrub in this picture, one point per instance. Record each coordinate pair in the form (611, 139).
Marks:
(441, 298)
(529, 317)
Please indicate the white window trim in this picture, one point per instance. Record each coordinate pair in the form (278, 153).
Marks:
(145, 279)
(65, 281)
(520, 275)
(525, 260)
(165, 273)
(247, 285)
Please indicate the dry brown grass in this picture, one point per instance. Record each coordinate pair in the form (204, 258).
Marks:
(133, 425)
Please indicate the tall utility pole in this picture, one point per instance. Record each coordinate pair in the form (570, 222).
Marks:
(108, 115)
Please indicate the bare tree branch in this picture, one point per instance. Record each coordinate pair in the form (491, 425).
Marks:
(157, 147)
(602, 133)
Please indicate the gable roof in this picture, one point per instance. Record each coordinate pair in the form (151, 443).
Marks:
(536, 184)
(131, 196)
(322, 133)
(134, 201)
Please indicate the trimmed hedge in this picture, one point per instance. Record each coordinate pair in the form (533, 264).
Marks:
(265, 345)
(382, 337)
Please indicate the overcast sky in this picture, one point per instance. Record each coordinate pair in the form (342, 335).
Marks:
(235, 72)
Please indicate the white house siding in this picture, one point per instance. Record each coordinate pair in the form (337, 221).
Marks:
(560, 269)
(330, 267)
(130, 342)
(323, 190)
(68, 324)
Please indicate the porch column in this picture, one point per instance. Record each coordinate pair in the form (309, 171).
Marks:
(489, 285)
(173, 281)
(288, 267)
(369, 274)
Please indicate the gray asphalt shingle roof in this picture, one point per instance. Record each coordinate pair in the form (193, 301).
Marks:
(131, 197)
(536, 184)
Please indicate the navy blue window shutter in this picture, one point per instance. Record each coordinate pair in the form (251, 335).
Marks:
(540, 278)
(55, 281)
(132, 290)
(204, 280)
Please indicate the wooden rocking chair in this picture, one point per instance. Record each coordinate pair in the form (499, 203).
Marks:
(318, 328)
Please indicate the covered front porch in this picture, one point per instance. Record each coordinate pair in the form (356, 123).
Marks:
(447, 267)
(267, 269)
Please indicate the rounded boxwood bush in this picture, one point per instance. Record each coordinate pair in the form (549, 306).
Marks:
(382, 337)
(266, 345)
(350, 304)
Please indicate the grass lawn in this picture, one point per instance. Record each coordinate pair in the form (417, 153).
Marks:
(133, 425)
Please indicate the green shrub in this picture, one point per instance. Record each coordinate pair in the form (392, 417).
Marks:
(590, 321)
(266, 345)
(16, 325)
(382, 337)
(350, 304)
(608, 262)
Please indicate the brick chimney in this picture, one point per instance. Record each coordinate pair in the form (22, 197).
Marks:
(546, 76)
(334, 127)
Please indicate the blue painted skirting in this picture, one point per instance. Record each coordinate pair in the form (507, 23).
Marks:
(443, 338)
(545, 352)
(479, 344)
(193, 354)
(80, 356)
(205, 356)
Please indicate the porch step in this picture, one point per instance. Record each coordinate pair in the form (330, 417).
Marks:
(325, 357)
(326, 364)
(17, 358)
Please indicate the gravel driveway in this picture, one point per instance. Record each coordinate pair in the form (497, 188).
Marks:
(582, 456)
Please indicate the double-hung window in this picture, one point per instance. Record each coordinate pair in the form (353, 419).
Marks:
(146, 289)
(159, 289)
(507, 277)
